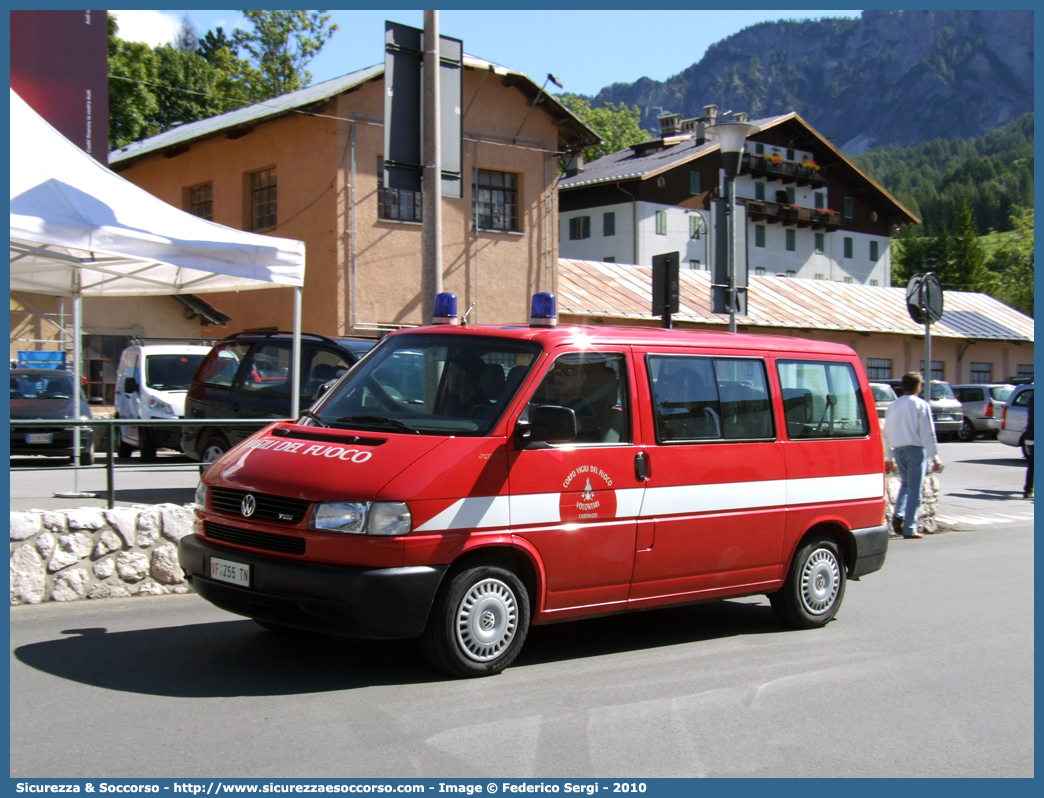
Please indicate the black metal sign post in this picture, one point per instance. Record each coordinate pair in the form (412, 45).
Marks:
(924, 302)
(665, 289)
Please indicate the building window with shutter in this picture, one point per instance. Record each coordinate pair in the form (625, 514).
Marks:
(791, 196)
(820, 276)
(201, 202)
(694, 182)
(579, 228)
(982, 372)
(759, 235)
(791, 156)
(609, 224)
(847, 279)
(396, 204)
(609, 259)
(873, 251)
(937, 370)
(873, 282)
(791, 240)
(495, 201)
(759, 191)
(820, 243)
(791, 273)
(820, 200)
(878, 368)
(661, 223)
(849, 207)
(848, 246)
(695, 222)
(759, 271)
(263, 204)
(694, 264)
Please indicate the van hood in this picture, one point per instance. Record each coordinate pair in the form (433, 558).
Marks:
(318, 464)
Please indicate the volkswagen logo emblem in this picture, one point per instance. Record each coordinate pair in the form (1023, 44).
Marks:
(248, 505)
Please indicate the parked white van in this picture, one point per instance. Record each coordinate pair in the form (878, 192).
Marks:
(151, 383)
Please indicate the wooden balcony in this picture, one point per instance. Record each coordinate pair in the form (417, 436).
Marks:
(793, 215)
(784, 171)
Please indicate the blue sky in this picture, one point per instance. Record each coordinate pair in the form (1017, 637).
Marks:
(586, 50)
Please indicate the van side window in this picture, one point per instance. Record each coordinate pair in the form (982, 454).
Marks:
(221, 364)
(707, 399)
(268, 371)
(594, 385)
(821, 400)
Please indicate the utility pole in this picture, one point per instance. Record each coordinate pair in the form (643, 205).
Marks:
(431, 213)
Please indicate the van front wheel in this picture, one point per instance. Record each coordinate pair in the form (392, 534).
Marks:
(478, 623)
(815, 585)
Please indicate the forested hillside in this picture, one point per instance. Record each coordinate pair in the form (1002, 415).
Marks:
(993, 174)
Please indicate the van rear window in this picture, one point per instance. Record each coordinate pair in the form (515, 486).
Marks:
(821, 400)
(709, 399)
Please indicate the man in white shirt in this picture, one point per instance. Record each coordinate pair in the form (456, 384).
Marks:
(909, 443)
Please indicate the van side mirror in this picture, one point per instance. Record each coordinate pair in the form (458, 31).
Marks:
(547, 424)
(130, 385)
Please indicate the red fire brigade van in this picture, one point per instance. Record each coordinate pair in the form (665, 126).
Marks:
(461, 483)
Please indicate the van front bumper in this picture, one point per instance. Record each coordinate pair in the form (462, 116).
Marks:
(369, 603)
(871, 546)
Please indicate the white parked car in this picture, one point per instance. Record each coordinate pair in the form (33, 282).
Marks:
(151, 383)
(1015, 417)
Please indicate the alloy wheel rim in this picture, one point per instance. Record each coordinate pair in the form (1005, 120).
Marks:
(820, 582)
(486, 620)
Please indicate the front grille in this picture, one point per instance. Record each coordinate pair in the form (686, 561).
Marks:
(255, 540)
(269, 508)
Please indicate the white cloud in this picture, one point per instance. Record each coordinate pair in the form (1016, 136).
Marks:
(152, 27)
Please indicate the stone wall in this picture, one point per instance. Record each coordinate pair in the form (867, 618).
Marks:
(68, 555)
(926, 514)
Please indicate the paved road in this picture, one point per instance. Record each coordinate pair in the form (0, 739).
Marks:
(928, 671)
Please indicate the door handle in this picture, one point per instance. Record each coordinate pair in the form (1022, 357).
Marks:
(642, 467)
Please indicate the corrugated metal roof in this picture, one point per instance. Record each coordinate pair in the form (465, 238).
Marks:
(615, 290)
(288, 103)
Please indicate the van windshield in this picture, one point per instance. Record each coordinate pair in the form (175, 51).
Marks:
(430, 384)
(170, 372)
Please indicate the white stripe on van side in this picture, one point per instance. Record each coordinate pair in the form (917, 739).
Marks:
(679, 499)
(472, 513)
(535, 508)
(834, 489)
(530, 509)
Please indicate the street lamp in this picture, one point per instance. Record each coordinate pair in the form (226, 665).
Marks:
(732, 137)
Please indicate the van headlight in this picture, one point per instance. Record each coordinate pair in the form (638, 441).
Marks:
(201, 496)
(160, 406)
(388, 519)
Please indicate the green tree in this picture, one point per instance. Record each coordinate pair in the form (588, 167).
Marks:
(132, 103)
(152, 90)
(1012, 265)
(617, 124)
(280, 46)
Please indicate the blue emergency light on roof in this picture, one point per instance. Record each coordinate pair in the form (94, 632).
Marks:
(543, 312)
(445, 309)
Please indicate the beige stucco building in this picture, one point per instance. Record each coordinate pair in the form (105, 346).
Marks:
(306, 166)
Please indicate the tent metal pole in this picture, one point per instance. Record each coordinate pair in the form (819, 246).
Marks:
(295, 394)
(77, 327)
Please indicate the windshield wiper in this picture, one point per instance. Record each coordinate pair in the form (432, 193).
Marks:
(310, 415)
(377, 421)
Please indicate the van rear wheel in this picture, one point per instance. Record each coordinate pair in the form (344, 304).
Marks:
(478, 623)
(815, 585)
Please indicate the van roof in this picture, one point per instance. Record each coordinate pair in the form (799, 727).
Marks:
(551, 337)
(171, 349)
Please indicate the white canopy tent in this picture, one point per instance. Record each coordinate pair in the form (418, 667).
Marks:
(78, 229)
